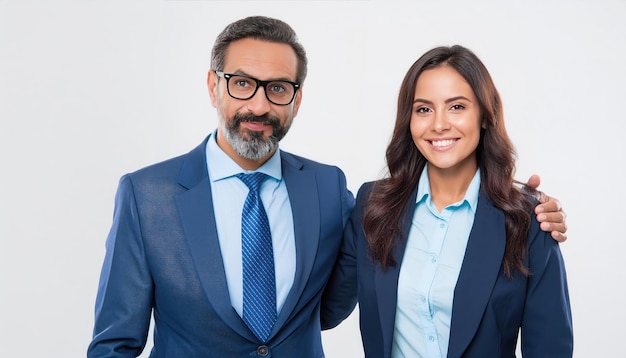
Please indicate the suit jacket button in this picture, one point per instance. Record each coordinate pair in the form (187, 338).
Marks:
(262, 351)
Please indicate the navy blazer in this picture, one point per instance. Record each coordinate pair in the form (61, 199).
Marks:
(488, 308)
(163, 257)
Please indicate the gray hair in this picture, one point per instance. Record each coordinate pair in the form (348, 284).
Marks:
(259, 28)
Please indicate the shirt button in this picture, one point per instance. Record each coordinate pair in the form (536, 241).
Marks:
(431, 338)
(422, 299)
(262, 351)
(442, 225)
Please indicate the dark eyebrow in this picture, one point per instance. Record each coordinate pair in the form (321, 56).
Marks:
(422, 100)
(242, 73)
(447, 100)
(453, 99)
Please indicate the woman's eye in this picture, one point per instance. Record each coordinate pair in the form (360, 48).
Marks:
(457, 107)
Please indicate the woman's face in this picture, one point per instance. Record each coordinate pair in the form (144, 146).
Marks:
(445, 119)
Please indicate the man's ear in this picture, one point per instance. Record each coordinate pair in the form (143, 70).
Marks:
(296, 101)
(211, 82)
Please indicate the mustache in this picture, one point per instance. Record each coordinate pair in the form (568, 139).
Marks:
(248, 117)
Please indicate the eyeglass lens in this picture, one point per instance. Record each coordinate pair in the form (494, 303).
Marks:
(279, 92)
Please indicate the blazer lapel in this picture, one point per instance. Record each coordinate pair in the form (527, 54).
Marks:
(303, 196)
(198, 220)
(386, 282)
(479, 272)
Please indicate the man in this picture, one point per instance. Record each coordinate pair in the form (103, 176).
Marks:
(178, 246)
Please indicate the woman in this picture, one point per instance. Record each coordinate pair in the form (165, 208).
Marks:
(449, 257)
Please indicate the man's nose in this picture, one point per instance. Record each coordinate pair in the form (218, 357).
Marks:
(259, 104)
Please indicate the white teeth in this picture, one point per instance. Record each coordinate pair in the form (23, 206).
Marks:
(442, 143)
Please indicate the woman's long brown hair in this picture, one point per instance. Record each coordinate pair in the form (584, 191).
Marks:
(389, 198)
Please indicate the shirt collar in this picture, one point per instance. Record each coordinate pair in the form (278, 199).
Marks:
(471, 195)
(221, 166)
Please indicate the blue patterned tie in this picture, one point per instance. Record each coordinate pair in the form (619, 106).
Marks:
(259, 283)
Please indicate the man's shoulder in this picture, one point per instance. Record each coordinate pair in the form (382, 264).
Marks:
(170, 169)
(157, 178)
(305, 163)
(164, 166)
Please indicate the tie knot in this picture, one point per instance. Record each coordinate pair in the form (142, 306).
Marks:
(253, 181)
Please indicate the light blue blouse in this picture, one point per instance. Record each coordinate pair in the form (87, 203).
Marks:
(429, 271)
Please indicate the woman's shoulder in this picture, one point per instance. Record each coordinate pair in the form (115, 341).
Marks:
(367, 187)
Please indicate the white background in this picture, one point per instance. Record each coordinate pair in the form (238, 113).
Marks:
(91, 90)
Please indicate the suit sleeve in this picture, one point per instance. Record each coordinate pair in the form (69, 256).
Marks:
(125, 292)
(547, 322)
(340, 295)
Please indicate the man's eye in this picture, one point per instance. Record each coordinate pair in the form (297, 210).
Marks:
(242, 83)
(277, 87)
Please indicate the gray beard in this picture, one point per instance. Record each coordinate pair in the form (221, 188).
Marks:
(251, 144)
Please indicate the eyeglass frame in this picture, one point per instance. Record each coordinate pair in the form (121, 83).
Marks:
(259, 83)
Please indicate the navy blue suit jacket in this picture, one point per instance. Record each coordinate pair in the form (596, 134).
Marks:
(163, 257)
(488, 308)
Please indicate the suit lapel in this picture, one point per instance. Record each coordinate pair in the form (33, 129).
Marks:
(479, 272)
(304, 199)
(386, 282)
(198, 220)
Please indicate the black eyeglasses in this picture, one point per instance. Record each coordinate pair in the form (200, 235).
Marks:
(244, 87)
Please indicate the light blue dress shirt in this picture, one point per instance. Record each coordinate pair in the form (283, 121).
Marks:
(429, 272)
(229, 194)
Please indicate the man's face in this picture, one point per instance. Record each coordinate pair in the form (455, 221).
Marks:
(249, 130)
